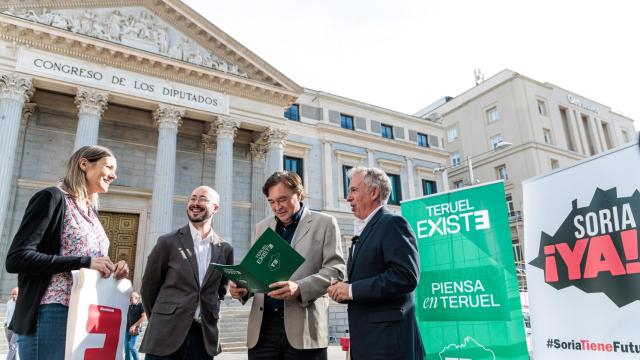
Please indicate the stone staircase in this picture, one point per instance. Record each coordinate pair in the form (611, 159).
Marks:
(4, 346)
(233, 326)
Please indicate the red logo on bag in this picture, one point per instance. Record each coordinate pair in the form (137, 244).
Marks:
(104, 320)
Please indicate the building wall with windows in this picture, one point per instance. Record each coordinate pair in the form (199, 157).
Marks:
(548, 127)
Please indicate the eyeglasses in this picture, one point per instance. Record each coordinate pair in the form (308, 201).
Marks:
(199, 200)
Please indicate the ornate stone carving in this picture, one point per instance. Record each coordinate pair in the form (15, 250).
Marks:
(258, 151)
(15, 87)
(134, 27)
(275, 137)
(91, 101)
(225, 127)
(27, 111)
(167, 116)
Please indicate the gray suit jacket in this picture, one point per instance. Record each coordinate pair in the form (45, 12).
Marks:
(306, 321)
(171, 292)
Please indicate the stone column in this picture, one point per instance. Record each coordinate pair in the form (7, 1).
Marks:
(168, 119)
(371, 159)
(327, 167)
(411, 179)
(258, 200)
(15, 90)
(225, 129)
(91, 105)
(275, 150)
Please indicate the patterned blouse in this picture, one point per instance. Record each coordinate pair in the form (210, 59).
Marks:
(82, 235)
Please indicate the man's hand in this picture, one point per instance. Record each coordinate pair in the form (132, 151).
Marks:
(102, 264)
(284, 290)
(339, 292)
(237, 292)
(133, 330)
(122, 270)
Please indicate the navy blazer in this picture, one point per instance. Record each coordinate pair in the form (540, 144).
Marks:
(383, 271)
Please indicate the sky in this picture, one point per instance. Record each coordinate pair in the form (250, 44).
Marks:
(405, 54)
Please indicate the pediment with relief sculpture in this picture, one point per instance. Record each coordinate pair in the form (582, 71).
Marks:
(169, 29)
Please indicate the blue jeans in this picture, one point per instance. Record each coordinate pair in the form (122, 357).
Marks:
(130, 346)
(49, 340)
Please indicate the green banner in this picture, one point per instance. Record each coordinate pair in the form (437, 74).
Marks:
(269, 260)
(467, 300)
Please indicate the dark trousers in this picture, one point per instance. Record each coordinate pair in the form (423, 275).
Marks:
(191, 349)
(273, 343)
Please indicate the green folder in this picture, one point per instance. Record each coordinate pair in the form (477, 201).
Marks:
(270, 259)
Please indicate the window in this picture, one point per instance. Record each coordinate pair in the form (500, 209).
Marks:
(495, 140)
(547, 136)
(293, 164)
(502, 172)
(625, 136)
(493, 115)
(429, 187)
(455, 159)
(386, 131)
(396, 193)
(423, 140)
(510, 207)
(459, 184)
(293, 112)
(452, 134)
(346, 122)
(542, 108)
(554, 164)
(345, 180)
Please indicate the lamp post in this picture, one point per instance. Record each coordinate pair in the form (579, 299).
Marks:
(443, 170)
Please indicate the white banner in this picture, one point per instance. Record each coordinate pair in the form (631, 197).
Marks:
(97, 319)
(582, 254)
(120, 81)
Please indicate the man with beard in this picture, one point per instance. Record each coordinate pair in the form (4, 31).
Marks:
(181, 293)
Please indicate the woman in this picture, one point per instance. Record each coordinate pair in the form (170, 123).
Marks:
(60, 232)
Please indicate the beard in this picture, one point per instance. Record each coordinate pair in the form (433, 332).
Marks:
(204, 214)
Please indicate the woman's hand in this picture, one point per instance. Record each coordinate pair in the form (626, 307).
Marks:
(104, 265)
(121, 270)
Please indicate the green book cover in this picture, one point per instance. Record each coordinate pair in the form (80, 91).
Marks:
(270, 259)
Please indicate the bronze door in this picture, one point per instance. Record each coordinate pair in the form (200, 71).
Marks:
(122, 230)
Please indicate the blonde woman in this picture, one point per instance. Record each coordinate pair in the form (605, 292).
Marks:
(60, 232)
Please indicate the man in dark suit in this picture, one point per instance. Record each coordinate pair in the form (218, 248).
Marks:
(382, 271)
(180, 292)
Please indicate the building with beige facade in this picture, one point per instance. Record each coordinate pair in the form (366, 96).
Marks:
(182, 104)
(546, 126)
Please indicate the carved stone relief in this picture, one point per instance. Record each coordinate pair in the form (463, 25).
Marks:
(134, 27)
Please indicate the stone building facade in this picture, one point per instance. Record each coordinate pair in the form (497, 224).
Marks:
(546, 126)
(181, 104)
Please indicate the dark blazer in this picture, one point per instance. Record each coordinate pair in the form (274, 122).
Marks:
(383, 271)
(171, 291)
(34, 255)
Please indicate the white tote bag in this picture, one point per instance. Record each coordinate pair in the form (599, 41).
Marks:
(97, 316)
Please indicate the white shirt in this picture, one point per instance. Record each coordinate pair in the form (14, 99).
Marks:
(202, 254)
(8, 315)
(358, 226)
